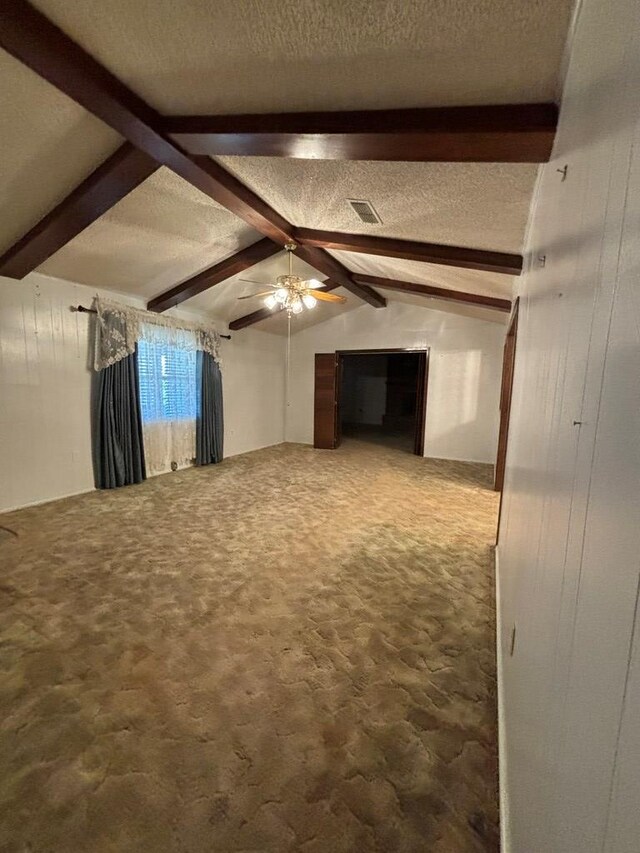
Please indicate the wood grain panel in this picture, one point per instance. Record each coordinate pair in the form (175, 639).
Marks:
(330, 266)
(325, 401)
(215, 274)
(509, 133)
(506, 390)
(432, 253)
(435, 292)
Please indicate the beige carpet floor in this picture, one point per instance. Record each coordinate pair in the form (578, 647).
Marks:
(291, 651)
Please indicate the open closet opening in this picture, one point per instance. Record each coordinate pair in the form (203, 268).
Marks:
(382, 397)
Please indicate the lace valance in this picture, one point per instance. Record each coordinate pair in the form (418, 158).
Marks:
(119, 327)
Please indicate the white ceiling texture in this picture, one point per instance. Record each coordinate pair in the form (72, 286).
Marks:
(235, 56)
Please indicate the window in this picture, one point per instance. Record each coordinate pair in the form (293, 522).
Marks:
(167, 382)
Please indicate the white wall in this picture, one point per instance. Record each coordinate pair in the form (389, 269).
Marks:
(569, 550)
(464, 372)
(45, 435)
(253, 371)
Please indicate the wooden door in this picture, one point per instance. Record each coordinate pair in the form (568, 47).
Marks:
(339, 375)
(421, 402)
(325, 404)
(508, 363)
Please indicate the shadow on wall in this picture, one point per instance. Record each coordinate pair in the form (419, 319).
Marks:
(464, 391)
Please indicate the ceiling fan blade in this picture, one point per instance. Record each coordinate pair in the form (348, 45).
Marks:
(254, 295)
(327, 297)
(253, 281)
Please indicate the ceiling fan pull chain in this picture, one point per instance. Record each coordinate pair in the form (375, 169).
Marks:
(286, 390)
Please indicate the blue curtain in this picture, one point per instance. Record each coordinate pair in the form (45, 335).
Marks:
(118, 451)
(209, 420)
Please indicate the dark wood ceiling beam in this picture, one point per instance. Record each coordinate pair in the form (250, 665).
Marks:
(431, 291)
(215, 274)
(121, 173)
(30, 37)
(432, 253)
(252, 255)
(254, 317)
(512, 133)
(333, 269)
(237, 198)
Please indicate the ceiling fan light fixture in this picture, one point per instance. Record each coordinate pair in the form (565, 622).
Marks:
(293, 294)
(309, 300)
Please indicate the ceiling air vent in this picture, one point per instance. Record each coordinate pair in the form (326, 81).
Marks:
(365, 211)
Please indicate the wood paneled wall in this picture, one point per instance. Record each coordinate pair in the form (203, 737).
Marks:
(45, 388)
(570, 537)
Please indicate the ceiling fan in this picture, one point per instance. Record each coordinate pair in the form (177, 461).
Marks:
(292, 293)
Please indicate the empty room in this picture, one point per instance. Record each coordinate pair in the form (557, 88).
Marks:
(319, 426)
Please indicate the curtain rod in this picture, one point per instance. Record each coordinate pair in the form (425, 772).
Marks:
(82, 310)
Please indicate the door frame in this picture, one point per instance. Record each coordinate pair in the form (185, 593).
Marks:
(506, 396)
(506, 392)
(422, 387)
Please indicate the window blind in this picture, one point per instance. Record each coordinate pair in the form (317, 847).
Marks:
(167, 382)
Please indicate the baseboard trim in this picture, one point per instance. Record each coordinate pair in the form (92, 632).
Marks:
(460, 459)
(259, 447)
(424, 455)
(505, 834)
(41, 501)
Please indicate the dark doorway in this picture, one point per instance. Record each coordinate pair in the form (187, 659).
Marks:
(394, 387)
(380, 398)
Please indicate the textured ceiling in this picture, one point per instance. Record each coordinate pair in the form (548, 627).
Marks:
(278, 324)
(160, 234)
(480, 205)
(199, 56)
(48, 144)
(274, 55)
(454, 278)
(459, 308)
(222, 302)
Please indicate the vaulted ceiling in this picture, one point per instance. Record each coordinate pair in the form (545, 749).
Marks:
(171, 201)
